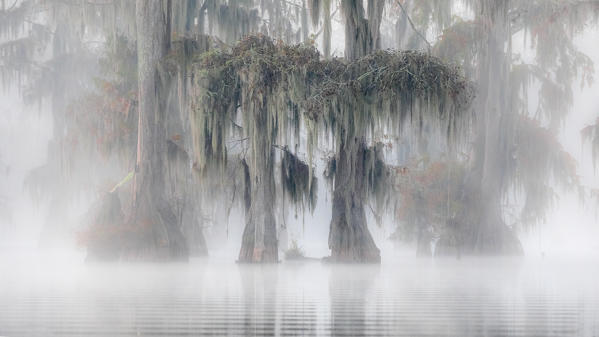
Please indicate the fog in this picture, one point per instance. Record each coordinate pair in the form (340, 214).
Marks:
(319, 167)
(470, 297)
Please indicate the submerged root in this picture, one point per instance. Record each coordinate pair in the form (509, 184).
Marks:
(151, 233)
(160, 237)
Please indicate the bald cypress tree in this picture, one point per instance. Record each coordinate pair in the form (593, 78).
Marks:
(161, 235)
(491, 235)
(515, 156)
(273, 85)
(349, 237)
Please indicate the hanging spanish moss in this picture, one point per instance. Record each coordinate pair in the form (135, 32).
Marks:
(297, 179)
(504, 162)
(269, 83)
(243, 123)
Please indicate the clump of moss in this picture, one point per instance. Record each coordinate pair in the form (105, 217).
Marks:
(273, 87)
(298, 181)
(362, 95)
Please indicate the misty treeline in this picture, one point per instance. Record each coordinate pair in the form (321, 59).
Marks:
(439, 117)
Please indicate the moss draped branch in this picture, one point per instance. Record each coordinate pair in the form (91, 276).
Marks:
(292, 84)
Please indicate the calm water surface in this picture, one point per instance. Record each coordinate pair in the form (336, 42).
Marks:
(403, 297)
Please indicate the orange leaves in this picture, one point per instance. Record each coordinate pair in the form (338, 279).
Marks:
(427, 195)
(112, 233)
(114, 99)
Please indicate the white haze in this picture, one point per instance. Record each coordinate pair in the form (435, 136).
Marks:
(553, 290)
(571, 228)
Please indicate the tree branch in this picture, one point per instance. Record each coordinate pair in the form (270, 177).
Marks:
(413, 26)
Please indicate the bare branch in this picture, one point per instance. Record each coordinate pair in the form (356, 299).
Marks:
(413, 26)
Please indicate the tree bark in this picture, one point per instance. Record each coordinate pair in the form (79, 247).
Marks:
(361, 35)
(349, 237)
(259, 242)
(152, 214)
(327, 29)
(480, 229)
(183, 186)
(492, 235)
(169, 24)
(190, 11)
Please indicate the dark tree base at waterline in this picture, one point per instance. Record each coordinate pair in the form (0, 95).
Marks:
(249, 253)
(495, 240)
(350, 240)
(152, 233)
(349, 258)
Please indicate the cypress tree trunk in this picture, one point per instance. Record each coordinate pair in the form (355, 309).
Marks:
(493, 236)
(191, 7)
(490, 234)
(182, 184)
(305, 26)
(159, 234)
(183, 197)
(349, 238)
(362, 36)
(481, 229)
(259, 242)
(327, 29)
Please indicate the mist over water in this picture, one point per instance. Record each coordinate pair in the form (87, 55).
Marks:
(407, 297)
(73, 263)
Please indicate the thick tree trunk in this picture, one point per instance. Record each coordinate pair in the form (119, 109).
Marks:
(361, 34)
(183, 186)
(191, 11)
(349, 238)
(259, 242)
(182, 193)
(161, 237)
(305, 27)
(169, 24)
(327, 29)
(492, 235)
(481, 229)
